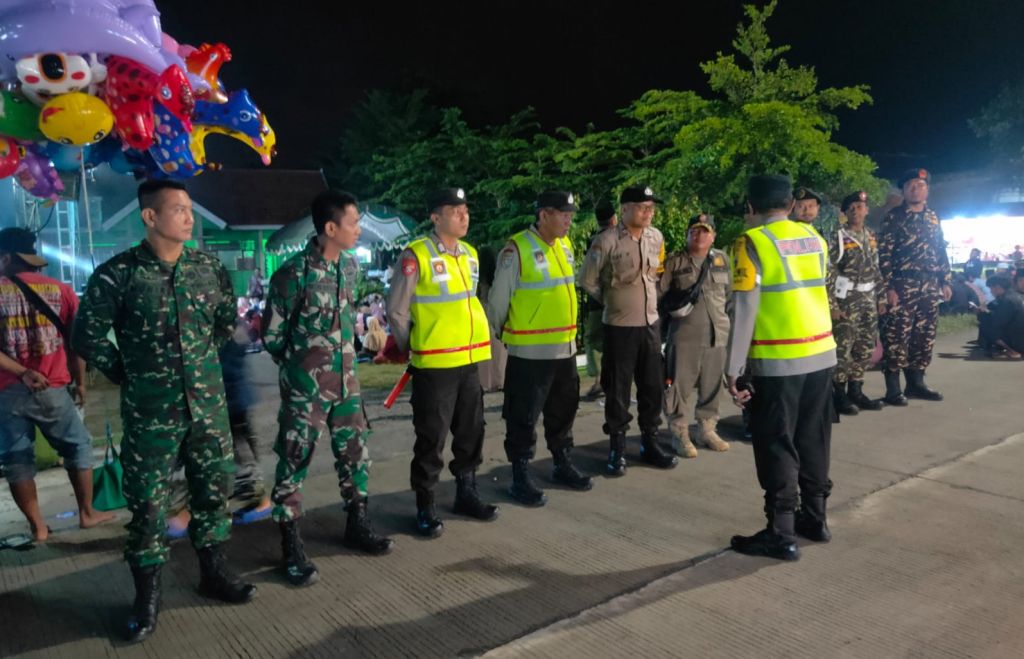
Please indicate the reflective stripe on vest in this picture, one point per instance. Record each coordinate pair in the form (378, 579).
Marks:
(449, 327)
(543, 308)
(793, 319)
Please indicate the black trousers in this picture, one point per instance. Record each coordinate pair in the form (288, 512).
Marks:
(445, 399)
(632, 354)
(532, 386)
(791, 423)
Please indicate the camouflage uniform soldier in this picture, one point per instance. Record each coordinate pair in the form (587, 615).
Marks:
(310, 335)
(171, 309)
(915, 268)
(854, 291)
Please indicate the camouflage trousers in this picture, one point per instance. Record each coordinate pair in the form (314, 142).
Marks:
(908, 331)
(149, 452)
(855, 335)
(302, 419)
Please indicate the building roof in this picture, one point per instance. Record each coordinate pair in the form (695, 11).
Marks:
(241, 198)
(257, 197)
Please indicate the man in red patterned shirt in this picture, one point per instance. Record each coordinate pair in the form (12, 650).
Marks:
(34, 379)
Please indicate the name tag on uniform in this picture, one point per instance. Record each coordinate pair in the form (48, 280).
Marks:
(540, 260)
(568, 255)
(474, 268)
(439, 269)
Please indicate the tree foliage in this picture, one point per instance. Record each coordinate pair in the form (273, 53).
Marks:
(763, 116)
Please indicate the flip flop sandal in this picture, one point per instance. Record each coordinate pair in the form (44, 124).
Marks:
(18, 541)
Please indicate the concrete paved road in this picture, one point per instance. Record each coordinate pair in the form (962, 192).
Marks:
(926, 515)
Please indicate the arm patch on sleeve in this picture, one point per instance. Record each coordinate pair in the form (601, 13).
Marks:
(744, 274)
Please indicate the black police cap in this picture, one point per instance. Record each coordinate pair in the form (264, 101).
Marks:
(637, 194)
(446, 197)
(557, 199)
(851, 199)
(806, 193)
(912, 174)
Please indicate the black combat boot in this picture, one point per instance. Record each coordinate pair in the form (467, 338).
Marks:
(359, 533)
(467, 499)
(843, 404)
(616, 465)
(893, 395)
(298, 569)
(811, 520)
(855, 392)
(523, 489)
(652, 453)
(217, 581)
(916, 388)
(566, 473)
(772, 541)
(142, 624)
(427, 522)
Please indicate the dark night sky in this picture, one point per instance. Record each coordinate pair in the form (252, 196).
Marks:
(930, 65)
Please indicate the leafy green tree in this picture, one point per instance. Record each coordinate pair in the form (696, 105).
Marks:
(763, 116)
(1001, 124)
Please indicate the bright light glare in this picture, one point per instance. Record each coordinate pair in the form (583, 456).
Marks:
(995, 235)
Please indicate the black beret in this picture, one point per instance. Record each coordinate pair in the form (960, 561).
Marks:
(806, 193)
(557, 199)
(912, 174)
(638, 193)
(446, 197)
(851, 199)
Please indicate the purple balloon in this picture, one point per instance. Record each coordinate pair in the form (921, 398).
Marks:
(130, 28)
(37, 175)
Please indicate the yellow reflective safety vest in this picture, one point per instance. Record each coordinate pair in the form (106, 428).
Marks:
(793, 318)
(543, 309)
(449, 327)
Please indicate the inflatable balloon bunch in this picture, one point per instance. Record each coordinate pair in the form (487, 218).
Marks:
(87, 82)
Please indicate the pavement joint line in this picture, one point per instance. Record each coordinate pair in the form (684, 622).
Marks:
(639, 595)
(969, 488)
(637, 591)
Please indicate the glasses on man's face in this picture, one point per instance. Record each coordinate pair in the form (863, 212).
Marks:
(646, 208)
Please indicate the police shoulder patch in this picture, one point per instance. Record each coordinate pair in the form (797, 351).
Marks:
(409, 266)
(744, 274)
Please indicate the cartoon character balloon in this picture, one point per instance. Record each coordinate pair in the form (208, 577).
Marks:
(10, 157)
(130, 91)
(36, 174)
(76, 118)
(52, 74)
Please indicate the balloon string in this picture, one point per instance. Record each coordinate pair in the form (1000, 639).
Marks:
(88, 213)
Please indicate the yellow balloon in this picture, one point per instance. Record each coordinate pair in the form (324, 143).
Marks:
(76, 119)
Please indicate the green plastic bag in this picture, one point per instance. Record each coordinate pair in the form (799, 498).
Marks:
(107, 492)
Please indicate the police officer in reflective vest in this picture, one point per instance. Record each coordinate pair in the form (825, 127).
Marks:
(782, 324)
(533, 307)
(435, 314)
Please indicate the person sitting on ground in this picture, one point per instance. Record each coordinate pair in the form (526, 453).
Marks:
(1003, 327)
(963, 297)
(35, 371)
